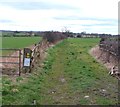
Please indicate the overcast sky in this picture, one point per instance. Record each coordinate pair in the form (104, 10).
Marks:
(92, 16)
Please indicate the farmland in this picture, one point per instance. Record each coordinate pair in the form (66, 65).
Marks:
(19, 42)
(70, 75)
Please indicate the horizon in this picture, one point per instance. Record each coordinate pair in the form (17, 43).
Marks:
(47, 15)
(56, 31)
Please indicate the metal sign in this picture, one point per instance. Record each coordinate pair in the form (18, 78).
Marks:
(27, 57)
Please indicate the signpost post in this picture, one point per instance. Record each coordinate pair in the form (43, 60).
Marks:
(27, 58)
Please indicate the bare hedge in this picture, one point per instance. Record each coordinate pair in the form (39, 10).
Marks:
(52, 37)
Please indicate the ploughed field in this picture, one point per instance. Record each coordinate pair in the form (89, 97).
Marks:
(69, 75)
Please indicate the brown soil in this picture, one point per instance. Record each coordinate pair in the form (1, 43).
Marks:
(100, 56)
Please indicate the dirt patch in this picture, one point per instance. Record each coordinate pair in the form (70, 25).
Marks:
(100, 56)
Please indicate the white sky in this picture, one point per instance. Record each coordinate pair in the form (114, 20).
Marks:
(92, 16)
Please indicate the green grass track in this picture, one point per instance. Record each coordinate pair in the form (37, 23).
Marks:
(70, 76)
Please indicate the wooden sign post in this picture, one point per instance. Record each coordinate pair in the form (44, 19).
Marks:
(27, 58)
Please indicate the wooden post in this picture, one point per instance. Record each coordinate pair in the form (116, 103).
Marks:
(19, 62)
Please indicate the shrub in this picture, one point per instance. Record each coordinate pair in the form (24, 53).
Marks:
(52, 37)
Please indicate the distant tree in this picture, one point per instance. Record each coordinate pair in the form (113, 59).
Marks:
(79, 35)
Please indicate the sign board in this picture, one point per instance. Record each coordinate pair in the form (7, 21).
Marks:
(27, 62)
(27, 57)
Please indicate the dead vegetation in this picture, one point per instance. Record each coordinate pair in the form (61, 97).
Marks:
(111, 64)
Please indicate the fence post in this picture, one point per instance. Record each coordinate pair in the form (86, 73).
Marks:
(19, 62)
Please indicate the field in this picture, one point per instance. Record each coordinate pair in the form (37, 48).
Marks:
(19, 42)
(70, 75)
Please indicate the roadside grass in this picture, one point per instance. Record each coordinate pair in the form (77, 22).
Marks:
(18, 42)
(70, 76)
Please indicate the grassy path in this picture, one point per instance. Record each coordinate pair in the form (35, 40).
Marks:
(76, 78)
(57, 88)
(69, 76)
